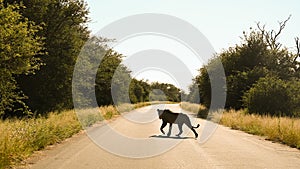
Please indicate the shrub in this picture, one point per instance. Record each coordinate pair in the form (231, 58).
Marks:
(293, 87)
(268, 96)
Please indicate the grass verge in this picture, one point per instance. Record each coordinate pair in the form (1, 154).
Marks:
(198, 109)
(20, 138)
(280, 129)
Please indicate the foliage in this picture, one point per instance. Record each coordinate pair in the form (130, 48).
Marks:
(19, 45)
(65, 32)
(139, 91)
(258, 56)
(113, 83)
(171, 92)
(204, 87)
(268, 96)
(87, 65)
(293, 88)
(193, 95)
(112, 79)
(273, 96)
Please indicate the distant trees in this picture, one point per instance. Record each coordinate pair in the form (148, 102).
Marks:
(171, 92)
(40, 42)
(113, 81)
(139, 91)
(107, 69)
(257, 72)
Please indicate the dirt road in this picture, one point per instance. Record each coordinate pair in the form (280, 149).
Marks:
(225, 149)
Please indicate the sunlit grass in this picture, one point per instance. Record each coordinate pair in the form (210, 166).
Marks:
(20, 138)
(198, 109)
(280, 129)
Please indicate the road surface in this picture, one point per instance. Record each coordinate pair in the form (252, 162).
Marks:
(225, 149)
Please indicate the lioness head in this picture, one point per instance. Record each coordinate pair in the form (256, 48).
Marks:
(160, 112)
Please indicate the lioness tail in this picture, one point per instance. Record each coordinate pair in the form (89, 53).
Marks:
(196, 126)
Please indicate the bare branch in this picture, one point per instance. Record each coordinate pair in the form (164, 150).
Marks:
(298, 49)
(272, 36)
(265, 34)
(262, 29)
(281, 27)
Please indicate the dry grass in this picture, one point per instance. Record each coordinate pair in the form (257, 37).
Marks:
(199, 109)
(280, 129)
(20, 138)
(108, 112)
(191, 107)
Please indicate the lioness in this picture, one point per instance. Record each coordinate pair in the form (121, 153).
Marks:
(170, 117)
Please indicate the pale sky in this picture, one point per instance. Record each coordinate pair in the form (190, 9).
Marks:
(221, 22)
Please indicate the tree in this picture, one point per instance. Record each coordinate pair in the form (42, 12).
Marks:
(65, 32)
(19, 45)
(193, 95)
(259, 55)
(137, 91)
(87, 65)
(171, 92)
(202, 81)
(112, 79)
(293, 88)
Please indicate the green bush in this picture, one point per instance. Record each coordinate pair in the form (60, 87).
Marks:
(293, 87)
(269, 95)
(202, 113)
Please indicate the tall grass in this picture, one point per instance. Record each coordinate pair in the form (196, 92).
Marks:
(199, 109)
(90, 116)
(280, 129)
(20, 138)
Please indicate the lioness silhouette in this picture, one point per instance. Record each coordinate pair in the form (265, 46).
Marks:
(167, 116)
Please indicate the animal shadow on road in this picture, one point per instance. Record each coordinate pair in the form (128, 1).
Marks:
(170, 137)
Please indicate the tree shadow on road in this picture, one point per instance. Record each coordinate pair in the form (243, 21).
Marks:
(170, 137)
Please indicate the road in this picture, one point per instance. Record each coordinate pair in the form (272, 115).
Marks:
(225, 149)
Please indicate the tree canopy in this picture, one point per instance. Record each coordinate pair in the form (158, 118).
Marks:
(64, 33)
(19, 46)
(259, 60)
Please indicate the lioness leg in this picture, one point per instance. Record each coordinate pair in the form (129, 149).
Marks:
(162, 127)
(188, 123)
(196, 134)
(170, 129)
(180, 129)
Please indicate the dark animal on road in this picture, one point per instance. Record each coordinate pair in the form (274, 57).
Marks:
(167, 116)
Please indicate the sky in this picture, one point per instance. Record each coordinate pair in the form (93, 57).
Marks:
(221, 22)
